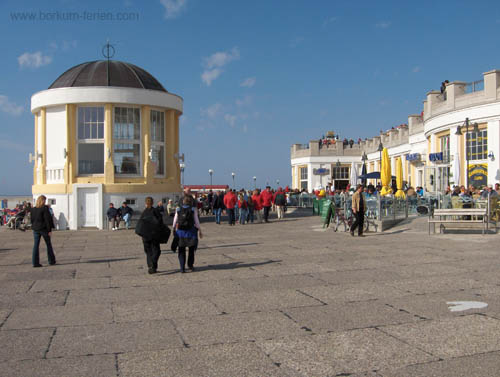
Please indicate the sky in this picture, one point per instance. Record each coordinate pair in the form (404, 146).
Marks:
(256, 76)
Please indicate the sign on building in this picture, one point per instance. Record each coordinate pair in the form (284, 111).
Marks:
(478, 175)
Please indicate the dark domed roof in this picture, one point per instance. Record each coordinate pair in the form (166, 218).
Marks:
(104, 73)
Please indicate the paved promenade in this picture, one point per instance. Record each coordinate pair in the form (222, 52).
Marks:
(279, 299)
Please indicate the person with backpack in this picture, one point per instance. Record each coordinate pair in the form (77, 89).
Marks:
(149, 226)
(187, 227)
(242, 206)
(279, 201)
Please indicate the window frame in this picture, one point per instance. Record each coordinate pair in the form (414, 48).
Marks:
(159, 143)
(89, 141)
(469, 148)
(114, 141)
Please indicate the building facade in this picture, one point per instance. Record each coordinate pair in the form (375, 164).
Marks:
(105, 131)
(455, 140)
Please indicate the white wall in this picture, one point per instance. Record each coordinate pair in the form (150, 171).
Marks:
(56, 136)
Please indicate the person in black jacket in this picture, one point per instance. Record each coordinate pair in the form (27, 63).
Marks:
(125, 212)
(42, 225)
(113, 217)
(218, 206)
(151, 245)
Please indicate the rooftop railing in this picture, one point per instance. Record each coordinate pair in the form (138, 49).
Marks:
(474, 86)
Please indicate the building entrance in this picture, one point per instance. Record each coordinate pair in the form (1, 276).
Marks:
(87, 207)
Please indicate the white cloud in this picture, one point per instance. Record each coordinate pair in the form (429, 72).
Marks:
(214, 63)
(416, 69)
(296, 41)
(249, 82)
(173, 8)
(245, 101)
(212, 111)
(210, 75)
(230, 119)
(33, 60)
(9, 107)
(383, 25)
(329, 21)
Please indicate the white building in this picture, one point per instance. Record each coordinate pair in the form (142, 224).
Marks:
(105, 131)
(433, 145)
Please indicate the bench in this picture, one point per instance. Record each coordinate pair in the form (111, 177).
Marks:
(469, 216)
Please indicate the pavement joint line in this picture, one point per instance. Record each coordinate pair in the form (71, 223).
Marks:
(66, 297)
(380, 328)
(50, 343)
(6, 318)
(317, 299)
(117, 367)
(31, 286)
(184, 343)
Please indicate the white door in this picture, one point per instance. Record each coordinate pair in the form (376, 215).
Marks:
(87, 203)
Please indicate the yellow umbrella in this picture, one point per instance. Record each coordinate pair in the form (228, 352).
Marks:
(399, 179)
(385, 173)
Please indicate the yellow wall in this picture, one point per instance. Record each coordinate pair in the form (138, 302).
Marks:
(111, 184)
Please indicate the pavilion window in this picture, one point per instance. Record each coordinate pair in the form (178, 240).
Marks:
(477, 145)
(303, 178)
(90, 130)
(127, 141)
(157, 123)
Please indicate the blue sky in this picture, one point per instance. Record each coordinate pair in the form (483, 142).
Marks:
(256, 76)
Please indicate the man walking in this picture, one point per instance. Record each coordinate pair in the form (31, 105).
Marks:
(358, 210)
(218, 206)
(267, 201)
(280, 202)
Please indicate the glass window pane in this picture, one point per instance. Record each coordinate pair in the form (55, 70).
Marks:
(100, 131)
(91, 158)
(100, 114)
(86, 128)
(126, 158)
(158, 159)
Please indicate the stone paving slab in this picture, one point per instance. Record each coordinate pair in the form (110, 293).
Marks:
(111, 295)
(69, 284)
(484, 365)
(343, 353)
(15, 287)
(263, 301)
(455, 337)
(24, 344)
(45, 316)
(164, 309)
(223, 360)
(114, 338)
(95, 366)
(279, 282)
(348, 316)
(239, 327)
(28, 300)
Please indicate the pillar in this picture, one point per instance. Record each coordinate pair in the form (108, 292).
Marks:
(109, 169)
(172, 146)
(146, 140)
(43, 146)
(35, 166)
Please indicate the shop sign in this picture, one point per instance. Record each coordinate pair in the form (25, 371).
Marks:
(413, 157)
(478, 175)
(436, 156)
(321, 171)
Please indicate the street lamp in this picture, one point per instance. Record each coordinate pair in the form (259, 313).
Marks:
(380, 149)
(233, 174)
(182, 166)
(474, 128)
(277, 182)
(211, 172)
(254, 183)
(364, 158)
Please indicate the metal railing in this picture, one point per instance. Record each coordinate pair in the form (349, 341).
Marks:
(474, 86)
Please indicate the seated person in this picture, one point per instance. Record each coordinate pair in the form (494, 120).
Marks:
(125, 214)
(113, 217)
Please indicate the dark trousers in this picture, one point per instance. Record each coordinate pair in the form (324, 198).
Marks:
(37, 234)
(360, 219)
(153, 252)
(182, 257)
(266, 213)
(230, 213)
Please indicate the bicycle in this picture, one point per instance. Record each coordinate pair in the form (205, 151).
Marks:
(340, 220)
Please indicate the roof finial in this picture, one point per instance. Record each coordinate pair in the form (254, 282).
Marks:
(108, 51)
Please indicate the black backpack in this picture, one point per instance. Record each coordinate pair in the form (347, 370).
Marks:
(280, 200)
(185, 218)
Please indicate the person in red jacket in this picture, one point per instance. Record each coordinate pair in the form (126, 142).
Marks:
(267, 201)
(229, 203)
(257, 205)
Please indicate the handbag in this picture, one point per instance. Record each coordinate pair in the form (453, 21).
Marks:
(175, 242)
(163, 234)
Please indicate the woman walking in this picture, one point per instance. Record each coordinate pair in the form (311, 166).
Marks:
(242, 205)
(187, 226)
(42, 225)
(151, 220)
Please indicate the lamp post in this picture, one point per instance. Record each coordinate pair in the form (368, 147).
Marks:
(233, 174)
(277, 182)
(380, 149)
(474, 128)
(364, 158)
(182, 166)
(254, 183)
(211, 172)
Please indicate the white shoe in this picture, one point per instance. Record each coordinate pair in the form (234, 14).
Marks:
(113, 228)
